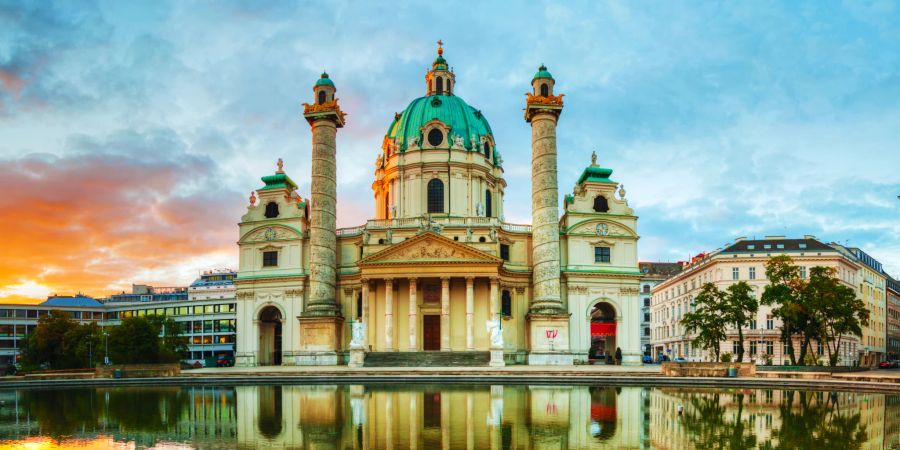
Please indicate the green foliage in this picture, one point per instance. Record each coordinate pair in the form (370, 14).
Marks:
(726, 357)
(738, 307)
(785, 293)
(146, 340)
(837, 310)
(58, 342)
(707, 320)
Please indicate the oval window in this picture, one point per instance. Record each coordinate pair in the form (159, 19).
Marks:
(435, 137)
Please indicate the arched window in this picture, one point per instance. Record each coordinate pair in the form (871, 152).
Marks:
(545, 90)
(488, 207)
(600, 204)
(271, 210)
(487, 150)
(322, 97)
(440, 85)
(435, 196)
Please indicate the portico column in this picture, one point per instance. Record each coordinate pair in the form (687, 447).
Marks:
(470, 310)
(365, 312)
(445, 314)
(413, 321)
(389, 314)
(495, 300)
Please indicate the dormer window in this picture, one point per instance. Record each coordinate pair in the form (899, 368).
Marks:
(271, 210)
(600, 204)
(435, 137)
(487, 150)
(322, 97)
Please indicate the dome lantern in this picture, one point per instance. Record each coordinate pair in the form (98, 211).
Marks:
(543, 82)
(439, 80)
(324, 90)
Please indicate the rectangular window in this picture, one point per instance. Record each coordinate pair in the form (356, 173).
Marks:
(753, 324)
(802, 246)
(802, 271)
(506, 304)
(735, 273)
(504, 252)
(752, 348)
(734, 347)
(770, 324)
(751, 247)
(270, 259)
(752, 274)
(601, 254)
(767, 246)
(779, 246)
(770, 349)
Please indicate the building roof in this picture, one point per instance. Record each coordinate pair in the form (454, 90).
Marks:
(77, 301)
(464, 121)
(542, 73)
(278, 181)
(659, 269)
(776, 245)
(595, 173)
(324, 80)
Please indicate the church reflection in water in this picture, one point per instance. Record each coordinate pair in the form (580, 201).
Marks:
(383, 416)
(433, 417)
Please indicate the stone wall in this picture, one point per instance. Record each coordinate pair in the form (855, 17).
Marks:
(140, 370)
(702, 369)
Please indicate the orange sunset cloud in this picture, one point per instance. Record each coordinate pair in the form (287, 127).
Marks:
(89, 223)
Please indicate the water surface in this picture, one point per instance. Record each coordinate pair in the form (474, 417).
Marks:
(446, 417)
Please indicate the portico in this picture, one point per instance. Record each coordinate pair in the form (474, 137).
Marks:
(429, 293)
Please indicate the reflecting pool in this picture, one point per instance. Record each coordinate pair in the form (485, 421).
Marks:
(446, 417)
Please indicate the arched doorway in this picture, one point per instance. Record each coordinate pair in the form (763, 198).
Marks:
(270, 336)
(603, 333)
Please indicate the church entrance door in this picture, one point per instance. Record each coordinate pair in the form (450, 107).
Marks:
(431, 338)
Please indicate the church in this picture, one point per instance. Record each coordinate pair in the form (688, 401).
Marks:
(437, 277)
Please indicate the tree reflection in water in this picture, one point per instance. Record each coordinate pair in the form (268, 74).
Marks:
(817, 420)
(710, 427)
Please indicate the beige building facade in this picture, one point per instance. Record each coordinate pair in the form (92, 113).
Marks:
(437, 276)
(743, 260)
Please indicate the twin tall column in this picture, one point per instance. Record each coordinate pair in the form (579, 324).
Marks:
(322, 320)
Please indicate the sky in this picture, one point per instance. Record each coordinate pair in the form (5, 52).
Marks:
(132, 133)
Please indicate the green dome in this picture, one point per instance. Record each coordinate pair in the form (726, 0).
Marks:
(464, 120)
(542, 73)
(324, 80)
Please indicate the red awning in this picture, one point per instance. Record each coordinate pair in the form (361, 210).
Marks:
(603, 329)
(603, 413)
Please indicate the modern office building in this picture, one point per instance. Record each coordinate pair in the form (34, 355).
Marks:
(205, 311)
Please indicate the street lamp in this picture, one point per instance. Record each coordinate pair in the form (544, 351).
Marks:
(106, 340)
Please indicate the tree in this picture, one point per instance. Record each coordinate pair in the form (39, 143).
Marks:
(135, 340)
(172, 344)
(838, 311)
(45, 346)
(82, 345)
(738, 307)
(149, 340)
(784, 291)
(707, 320)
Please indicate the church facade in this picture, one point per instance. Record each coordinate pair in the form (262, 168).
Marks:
(437, 275)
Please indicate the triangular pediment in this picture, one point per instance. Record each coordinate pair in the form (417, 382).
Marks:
(429, 248)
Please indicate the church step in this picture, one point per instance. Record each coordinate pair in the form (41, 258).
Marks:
(426, 359)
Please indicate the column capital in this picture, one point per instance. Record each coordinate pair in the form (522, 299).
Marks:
(470, 279)
(413, 279)
(388, 280)
(495, 280)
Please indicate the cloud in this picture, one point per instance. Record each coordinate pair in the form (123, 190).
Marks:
(90, 221)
